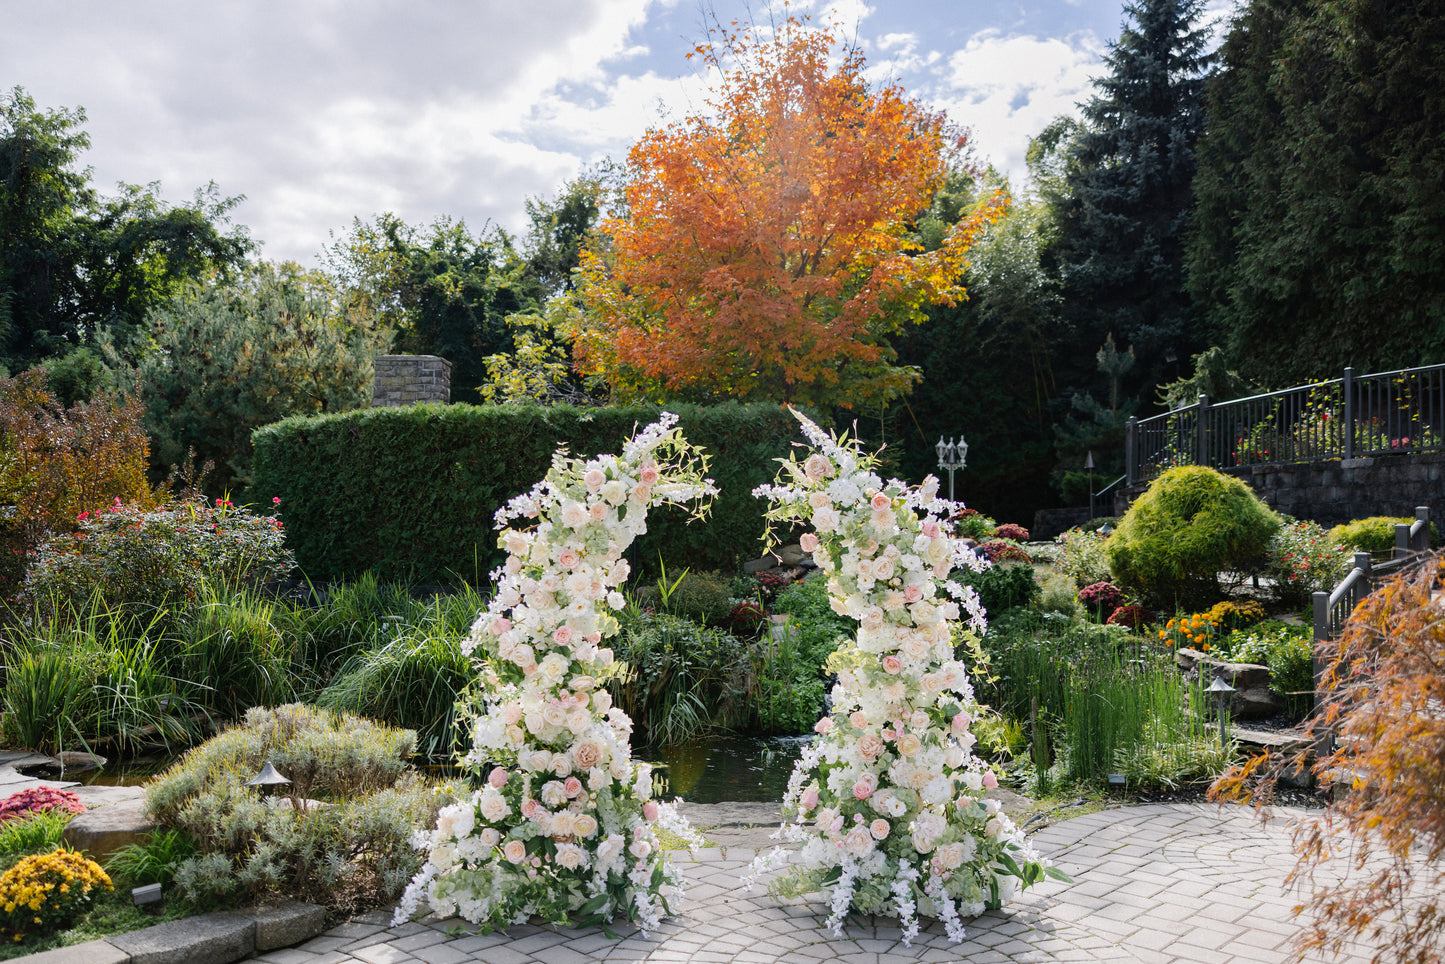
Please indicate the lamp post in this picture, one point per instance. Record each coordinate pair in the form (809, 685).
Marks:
(1089, 464)
(952, 456)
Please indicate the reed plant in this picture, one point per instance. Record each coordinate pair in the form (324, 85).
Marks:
(412, 678)
(236, 653)
(79, 675)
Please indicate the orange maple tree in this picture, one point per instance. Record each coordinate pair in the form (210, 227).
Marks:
(1378, 736)
(767, 247)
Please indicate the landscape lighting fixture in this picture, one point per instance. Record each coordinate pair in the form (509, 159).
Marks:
(1220, 690)
(952, 456)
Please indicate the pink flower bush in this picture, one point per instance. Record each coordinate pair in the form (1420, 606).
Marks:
(22, 803)
(887, 804)
(564, 826)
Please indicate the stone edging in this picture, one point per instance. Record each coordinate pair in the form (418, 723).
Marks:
(215, 938)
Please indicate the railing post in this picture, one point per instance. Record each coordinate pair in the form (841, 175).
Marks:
(1321, 603)
(1348, 387)
(1201, 444)
(1402, 540)
(1421, 540)
(1363, 585)
(1131, 450)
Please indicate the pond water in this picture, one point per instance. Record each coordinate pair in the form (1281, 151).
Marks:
(710, 770)
(729, 768)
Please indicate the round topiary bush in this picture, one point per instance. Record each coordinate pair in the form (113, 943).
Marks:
(1189, 525)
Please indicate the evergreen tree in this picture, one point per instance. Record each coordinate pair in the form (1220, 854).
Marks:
(74, 263)
(1123, 193)
(1319, 239)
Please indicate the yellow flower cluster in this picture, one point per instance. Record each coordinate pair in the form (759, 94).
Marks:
(46, 890)
(1197, 631)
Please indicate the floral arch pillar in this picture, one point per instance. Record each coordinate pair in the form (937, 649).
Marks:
(888, 803)
(564, 825)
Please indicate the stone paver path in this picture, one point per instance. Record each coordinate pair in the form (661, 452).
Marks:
(1160, 883)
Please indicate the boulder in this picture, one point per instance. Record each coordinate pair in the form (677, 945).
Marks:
(1252, 698)
(103, 831)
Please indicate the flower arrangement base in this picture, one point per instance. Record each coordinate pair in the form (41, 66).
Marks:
(887, 805)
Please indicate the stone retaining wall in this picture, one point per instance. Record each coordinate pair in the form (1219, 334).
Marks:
(409, 379)
(1335, 491)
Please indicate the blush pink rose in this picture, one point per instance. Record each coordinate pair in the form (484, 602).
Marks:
(892, 665)
(824, 726)
(809, 799)
(990, 780)
(862, 790)
(808, 542)
(649, 811)
(498, 777)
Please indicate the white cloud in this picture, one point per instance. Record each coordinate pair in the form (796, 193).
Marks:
(1006, 89)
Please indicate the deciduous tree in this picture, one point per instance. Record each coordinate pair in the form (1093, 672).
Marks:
(767, 245)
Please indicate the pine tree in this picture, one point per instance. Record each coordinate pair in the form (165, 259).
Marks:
(1319, 237)
(1124, 197)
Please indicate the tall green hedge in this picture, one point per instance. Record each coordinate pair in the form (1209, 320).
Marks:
(409, 493)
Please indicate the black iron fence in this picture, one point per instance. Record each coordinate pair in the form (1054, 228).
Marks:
(1331, 609)
(1343, 418)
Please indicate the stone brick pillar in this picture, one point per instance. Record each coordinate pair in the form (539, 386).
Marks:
(409, 379)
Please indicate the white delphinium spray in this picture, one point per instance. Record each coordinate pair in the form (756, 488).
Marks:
(887, 804)
(564, 826)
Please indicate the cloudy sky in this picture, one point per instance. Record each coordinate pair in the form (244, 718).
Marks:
(319, 111)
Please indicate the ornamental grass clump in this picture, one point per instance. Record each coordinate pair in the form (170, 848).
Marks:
(888, 804)
(564, 826)
(45, 892)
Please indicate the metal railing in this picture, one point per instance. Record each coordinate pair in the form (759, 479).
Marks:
(1331, 609)
(1348, 417)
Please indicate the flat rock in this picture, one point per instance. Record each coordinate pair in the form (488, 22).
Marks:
(212, 938)
(103, 796)
(1252, 698)
(103, 831)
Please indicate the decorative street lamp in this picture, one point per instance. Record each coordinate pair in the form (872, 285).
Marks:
(1089, 464)
(952, 456)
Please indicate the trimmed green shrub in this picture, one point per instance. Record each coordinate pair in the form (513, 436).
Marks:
(1375, 534)
(1285, 649)
(1189, 525)
(410, 492)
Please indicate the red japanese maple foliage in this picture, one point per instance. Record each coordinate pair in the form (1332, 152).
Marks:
(766, 248)
(1382, 719)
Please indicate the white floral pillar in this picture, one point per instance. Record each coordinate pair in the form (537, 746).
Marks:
(564, 824)
(887, 803)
